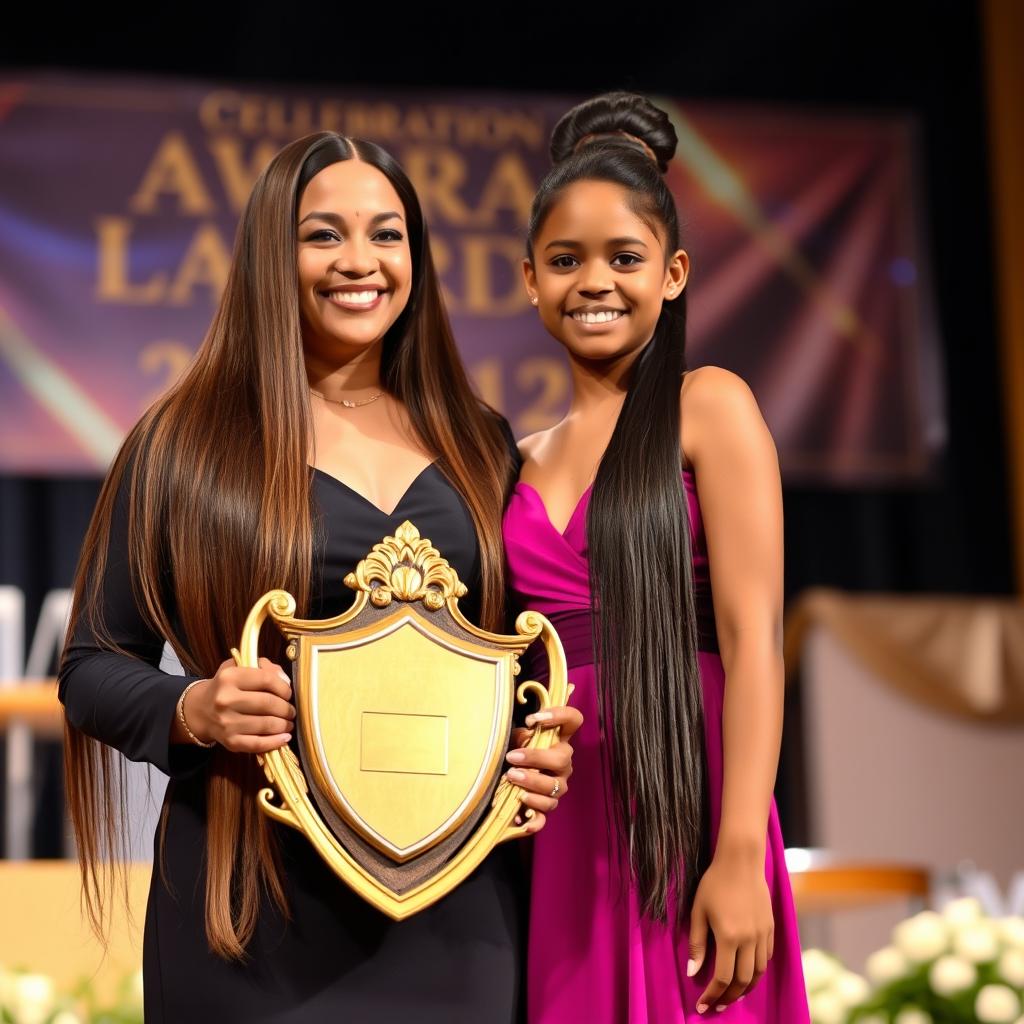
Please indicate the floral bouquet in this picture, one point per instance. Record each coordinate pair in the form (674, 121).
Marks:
(29, 998)
(954, 967)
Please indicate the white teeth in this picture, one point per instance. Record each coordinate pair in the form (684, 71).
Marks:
(597, 318)
(354, 298)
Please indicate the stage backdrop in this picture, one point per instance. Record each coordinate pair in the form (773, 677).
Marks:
(119, 198)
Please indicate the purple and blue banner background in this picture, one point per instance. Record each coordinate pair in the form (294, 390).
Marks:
(119, 199)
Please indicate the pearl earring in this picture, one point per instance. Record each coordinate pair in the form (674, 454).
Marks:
(534, 300)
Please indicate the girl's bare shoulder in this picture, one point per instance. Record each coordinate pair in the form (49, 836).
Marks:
(715, 406)
(532, 446)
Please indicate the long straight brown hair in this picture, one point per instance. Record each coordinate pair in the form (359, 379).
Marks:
(219, 511)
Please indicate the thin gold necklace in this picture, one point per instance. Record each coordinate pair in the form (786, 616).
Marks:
(348, 403)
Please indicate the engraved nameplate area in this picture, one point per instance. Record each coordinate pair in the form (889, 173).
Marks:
(406, 744)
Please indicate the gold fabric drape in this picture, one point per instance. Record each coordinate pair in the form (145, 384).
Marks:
(960, 655)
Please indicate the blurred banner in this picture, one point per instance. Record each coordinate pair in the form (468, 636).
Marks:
(119, 198)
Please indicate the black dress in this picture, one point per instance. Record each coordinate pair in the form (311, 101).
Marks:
(338, 959)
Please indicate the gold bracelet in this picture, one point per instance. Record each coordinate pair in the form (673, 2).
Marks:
(181, 717)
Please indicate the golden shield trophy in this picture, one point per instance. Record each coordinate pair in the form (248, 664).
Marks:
(403, 718)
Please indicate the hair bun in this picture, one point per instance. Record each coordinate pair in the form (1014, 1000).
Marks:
(616, 113)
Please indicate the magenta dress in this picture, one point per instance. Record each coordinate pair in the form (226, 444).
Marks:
(591, 956)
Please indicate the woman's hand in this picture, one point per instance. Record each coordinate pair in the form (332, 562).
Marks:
(246, 710)
(543, 775)
(732, 900)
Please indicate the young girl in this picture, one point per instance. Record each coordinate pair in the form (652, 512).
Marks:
(326, 406)
(660, 892)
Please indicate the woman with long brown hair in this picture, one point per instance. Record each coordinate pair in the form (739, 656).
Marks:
(326, 405)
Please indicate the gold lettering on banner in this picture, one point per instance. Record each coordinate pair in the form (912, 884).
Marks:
(547, 407)
(173, 171)
(442, 255)
(480, 272)
(285, 117)
(218, 110)
(509, 187)
(236, 174)
(289, 118)
(488, 377)
(416, 125)
(490, 128)
(478, 255)
(332, 114)
(277, 116)
(378, 121)
(442, 122)
(437, 175)
(206, 264)
(167, 357)
(113, 282)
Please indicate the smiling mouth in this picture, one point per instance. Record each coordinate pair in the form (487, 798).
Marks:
(354, 300)
(604, 316)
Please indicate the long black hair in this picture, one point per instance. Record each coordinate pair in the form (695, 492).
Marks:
(645, 637)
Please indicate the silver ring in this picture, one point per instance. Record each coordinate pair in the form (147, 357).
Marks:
(554, 792)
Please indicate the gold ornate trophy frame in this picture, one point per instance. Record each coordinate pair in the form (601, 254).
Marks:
(404, 713)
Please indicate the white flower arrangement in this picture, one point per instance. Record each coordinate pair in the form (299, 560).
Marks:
(1011, 967)
(953, 966)
(978, 942)
(832, 991)
(997, 1004)
(951, 974)
(886, 965)
(912, 1015)
(922, 937)
(31, 998)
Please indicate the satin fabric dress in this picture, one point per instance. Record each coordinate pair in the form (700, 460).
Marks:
(591, 956)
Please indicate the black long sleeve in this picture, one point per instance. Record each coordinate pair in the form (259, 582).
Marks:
(125, 700)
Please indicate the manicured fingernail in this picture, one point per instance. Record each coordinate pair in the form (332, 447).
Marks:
(539, 716)
(719, 1009)
(702, 1007)
(284, 678)
(691, 968)
(515, 775)
(515, 756)
(287, 737)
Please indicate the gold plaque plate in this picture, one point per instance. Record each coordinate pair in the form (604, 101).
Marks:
(404, 711)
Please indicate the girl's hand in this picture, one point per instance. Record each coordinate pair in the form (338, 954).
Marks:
(733, 900)
(543, 775)
(246, 710)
